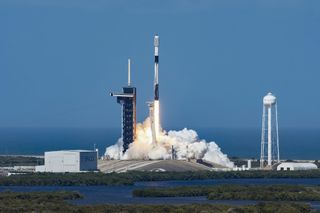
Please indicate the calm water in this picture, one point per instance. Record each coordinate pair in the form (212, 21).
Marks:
(123, 194)
(294, 144)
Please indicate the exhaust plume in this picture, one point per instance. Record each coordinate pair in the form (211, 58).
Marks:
(186, 143)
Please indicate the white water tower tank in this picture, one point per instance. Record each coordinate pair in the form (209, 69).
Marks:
(269, 99)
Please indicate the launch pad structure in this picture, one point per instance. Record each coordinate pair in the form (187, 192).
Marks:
(107, 166)
(128, 99)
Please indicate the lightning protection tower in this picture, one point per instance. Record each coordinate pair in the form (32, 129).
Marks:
(270, 134)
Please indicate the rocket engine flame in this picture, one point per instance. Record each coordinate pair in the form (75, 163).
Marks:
(157, 124)
(186, 143)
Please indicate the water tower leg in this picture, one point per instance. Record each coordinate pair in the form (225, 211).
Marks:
(262, 156)
(269, 136)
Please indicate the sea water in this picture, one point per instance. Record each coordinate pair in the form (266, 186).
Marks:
(245, 143)
(123, 194)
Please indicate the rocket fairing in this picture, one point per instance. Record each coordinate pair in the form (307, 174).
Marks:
(156, 61)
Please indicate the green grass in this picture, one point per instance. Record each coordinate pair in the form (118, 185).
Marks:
(6, 161)
(12, 202)
(128, 178)
(36, 201)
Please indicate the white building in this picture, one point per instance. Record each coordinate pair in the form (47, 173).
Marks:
(69, 161)
(296, 166)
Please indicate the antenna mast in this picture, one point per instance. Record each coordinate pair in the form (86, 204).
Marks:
(129, 72)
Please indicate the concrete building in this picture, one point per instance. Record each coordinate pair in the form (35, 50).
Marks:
(290, 166)
(69, 161)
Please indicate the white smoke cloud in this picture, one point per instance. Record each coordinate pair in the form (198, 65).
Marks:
(186, 144)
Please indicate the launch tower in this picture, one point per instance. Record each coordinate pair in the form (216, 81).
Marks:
(127, 99)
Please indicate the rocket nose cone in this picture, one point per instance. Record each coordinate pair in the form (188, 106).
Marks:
(156, 41)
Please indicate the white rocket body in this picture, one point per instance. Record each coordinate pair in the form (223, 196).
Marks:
(156, 67)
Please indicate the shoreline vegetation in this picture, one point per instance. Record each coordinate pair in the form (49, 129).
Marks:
(281, 192)
(58, 202)
(129, 178)
(8, 160)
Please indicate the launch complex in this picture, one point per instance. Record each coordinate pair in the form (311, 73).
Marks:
(128, 98)
(156, 149)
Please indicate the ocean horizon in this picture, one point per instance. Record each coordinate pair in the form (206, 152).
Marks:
(299, 144)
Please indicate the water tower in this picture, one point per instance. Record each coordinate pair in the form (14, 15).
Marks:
(269, 136)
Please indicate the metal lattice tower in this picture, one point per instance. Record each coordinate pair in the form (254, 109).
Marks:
(270, 134)
(127, 99)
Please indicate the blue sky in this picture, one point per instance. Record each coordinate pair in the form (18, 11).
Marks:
(59, 59)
